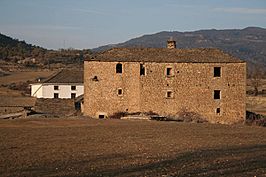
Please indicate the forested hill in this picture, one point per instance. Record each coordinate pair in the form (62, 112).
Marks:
(248, 44)
(10, 47)
(13, 50)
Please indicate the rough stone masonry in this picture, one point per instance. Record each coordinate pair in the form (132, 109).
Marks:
(166, 81)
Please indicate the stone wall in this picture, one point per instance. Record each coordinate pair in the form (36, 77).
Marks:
(191, 87)
(58, 107)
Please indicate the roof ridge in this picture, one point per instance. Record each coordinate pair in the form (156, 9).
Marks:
(52, 76)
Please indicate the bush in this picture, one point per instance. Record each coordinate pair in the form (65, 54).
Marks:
(118, 115)
(255, 119)
(189, 116)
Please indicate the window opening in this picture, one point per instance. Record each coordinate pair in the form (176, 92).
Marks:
(101, 116)
(120, 92)
(217, 71)
(142, 70)
(218, 111)
(169, 94)
(217, 94)
(56, 95)
(73, 87)
(56, 87)
(168, 71)
(119, 68)
(73, 95)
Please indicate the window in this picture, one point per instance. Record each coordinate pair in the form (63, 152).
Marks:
(217, 94)
(218, 111)
(168, 71)
(73, 87)
(56, 87)
(120, 92)
(101, 116)
(217, 72)
(119, 68)
(56, 95)
(73, 95)
(142, 70)
(169, 94)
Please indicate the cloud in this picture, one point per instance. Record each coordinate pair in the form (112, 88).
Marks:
(240, 10)
(90, 11)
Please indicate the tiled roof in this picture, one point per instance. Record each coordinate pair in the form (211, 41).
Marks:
(66, 76)
(200, 55)
(7, 101)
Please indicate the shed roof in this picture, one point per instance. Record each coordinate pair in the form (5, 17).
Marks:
(165, 55)
(7, 101)
(66, 76)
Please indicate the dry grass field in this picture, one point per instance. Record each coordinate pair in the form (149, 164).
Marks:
(24, 76)
(86, 147)
(20, 77)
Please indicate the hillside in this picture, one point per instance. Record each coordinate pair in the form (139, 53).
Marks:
(13, 48)
(248, 44)
(13, 51)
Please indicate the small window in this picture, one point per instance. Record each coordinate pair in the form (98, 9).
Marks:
(168, 71)
(73, 95)
(120, 92)
(218, 111)
(56, 95)
(56, 87)
(73, 87)
(217, 94)
(217, 71)
(101, 116)
(142, 70)
(169, 94)
(119, 68)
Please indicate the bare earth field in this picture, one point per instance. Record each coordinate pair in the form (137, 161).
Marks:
(24, 76)
(87, 147)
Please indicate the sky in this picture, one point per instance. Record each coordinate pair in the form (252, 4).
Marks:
(85, 24)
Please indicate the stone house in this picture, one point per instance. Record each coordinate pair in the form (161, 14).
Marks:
(166, 81)
(64, 84)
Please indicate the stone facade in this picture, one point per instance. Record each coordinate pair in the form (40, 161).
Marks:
(214, 90)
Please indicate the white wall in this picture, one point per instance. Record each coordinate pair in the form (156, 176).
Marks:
(36, 90)
(64, 91)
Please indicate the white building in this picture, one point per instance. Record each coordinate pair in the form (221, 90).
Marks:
(63, 84)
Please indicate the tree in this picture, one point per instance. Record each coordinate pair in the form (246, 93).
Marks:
(256, 77)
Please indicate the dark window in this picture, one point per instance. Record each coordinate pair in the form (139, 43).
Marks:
(120, 92)
(101, 116)
(142, 70)
(73, 87)
(217, 94)
(217, 72)
(169, 94)
(73, 95)
(56, 87)
(168, 71)
(218, 111)
(119, 68)
(56, 95)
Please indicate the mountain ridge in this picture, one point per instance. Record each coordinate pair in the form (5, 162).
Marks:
(248, 44)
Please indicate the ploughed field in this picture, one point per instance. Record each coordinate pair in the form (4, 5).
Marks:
(87, 147)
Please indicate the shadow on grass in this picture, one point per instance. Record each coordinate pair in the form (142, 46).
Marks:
(230, 161)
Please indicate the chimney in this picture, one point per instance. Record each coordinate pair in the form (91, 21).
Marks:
(171, 43)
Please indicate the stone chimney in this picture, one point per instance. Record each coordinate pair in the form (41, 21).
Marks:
(171, 43)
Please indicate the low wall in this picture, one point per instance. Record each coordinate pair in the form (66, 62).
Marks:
(65, 107)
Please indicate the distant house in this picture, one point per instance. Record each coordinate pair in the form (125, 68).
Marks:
(64, 84)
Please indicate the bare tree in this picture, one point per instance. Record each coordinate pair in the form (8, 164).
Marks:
(256, 77)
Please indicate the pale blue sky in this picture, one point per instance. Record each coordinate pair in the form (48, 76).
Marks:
(91, 23)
